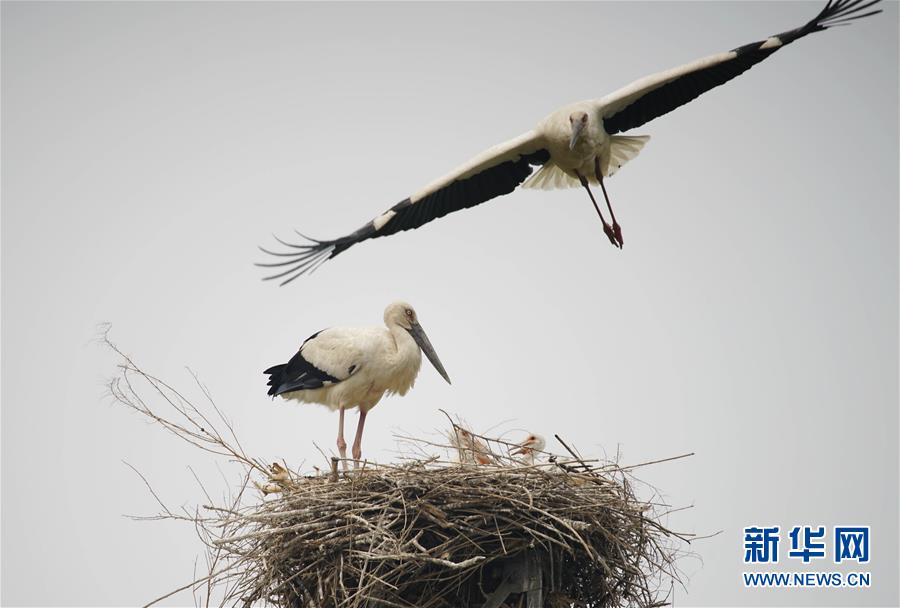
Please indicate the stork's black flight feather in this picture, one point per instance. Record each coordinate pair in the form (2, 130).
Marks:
(297, 374)
(687, 87)
(460, 194)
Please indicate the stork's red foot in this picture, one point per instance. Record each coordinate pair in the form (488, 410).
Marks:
(608, 230)
(618, 232)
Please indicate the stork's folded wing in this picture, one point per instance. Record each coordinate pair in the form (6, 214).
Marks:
(325, 358)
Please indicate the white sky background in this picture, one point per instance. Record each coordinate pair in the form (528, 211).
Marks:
(751, 317)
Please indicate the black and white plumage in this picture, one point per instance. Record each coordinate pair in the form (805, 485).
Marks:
(299, 374)
(578, 144)
(347, 367)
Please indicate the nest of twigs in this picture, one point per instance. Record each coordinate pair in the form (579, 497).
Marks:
(431, 532)
(437, 535)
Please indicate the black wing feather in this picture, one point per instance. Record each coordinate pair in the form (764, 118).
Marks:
(680, 91)
(461, 194)
(297, 374)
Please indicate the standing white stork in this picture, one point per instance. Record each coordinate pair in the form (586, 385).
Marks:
(347, 367)
(577, 144)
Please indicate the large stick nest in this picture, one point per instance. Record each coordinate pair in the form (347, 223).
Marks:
(431, 532)
(439, 535)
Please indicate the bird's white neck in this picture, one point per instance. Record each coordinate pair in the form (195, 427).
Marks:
(404, 342)
(405, 360)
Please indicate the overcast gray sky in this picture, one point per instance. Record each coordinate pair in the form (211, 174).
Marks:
(751, 317)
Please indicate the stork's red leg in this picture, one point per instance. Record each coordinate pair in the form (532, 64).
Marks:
(357, 443)
(341, 444)
(617, 230)
(607, 229)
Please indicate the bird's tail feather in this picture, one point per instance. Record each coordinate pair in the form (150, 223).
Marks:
(550, 177)
(622, 148)
(276, 378)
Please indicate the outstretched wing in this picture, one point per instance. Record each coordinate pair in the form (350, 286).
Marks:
(325, 358)
(653, 96)
(493, 173)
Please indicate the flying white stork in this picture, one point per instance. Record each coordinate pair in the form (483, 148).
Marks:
(347, 367)
(577, 144)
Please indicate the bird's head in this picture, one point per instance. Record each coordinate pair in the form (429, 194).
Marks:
(464, 434)
(402, 314)
(578, 121)
(532, 443)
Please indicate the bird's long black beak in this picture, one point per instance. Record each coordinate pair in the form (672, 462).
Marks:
(424, 343)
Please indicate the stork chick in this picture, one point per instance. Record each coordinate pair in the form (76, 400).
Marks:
(530, 447)
(470, 449)
(347, 367)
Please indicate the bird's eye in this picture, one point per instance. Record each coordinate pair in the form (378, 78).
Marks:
(409, 313)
